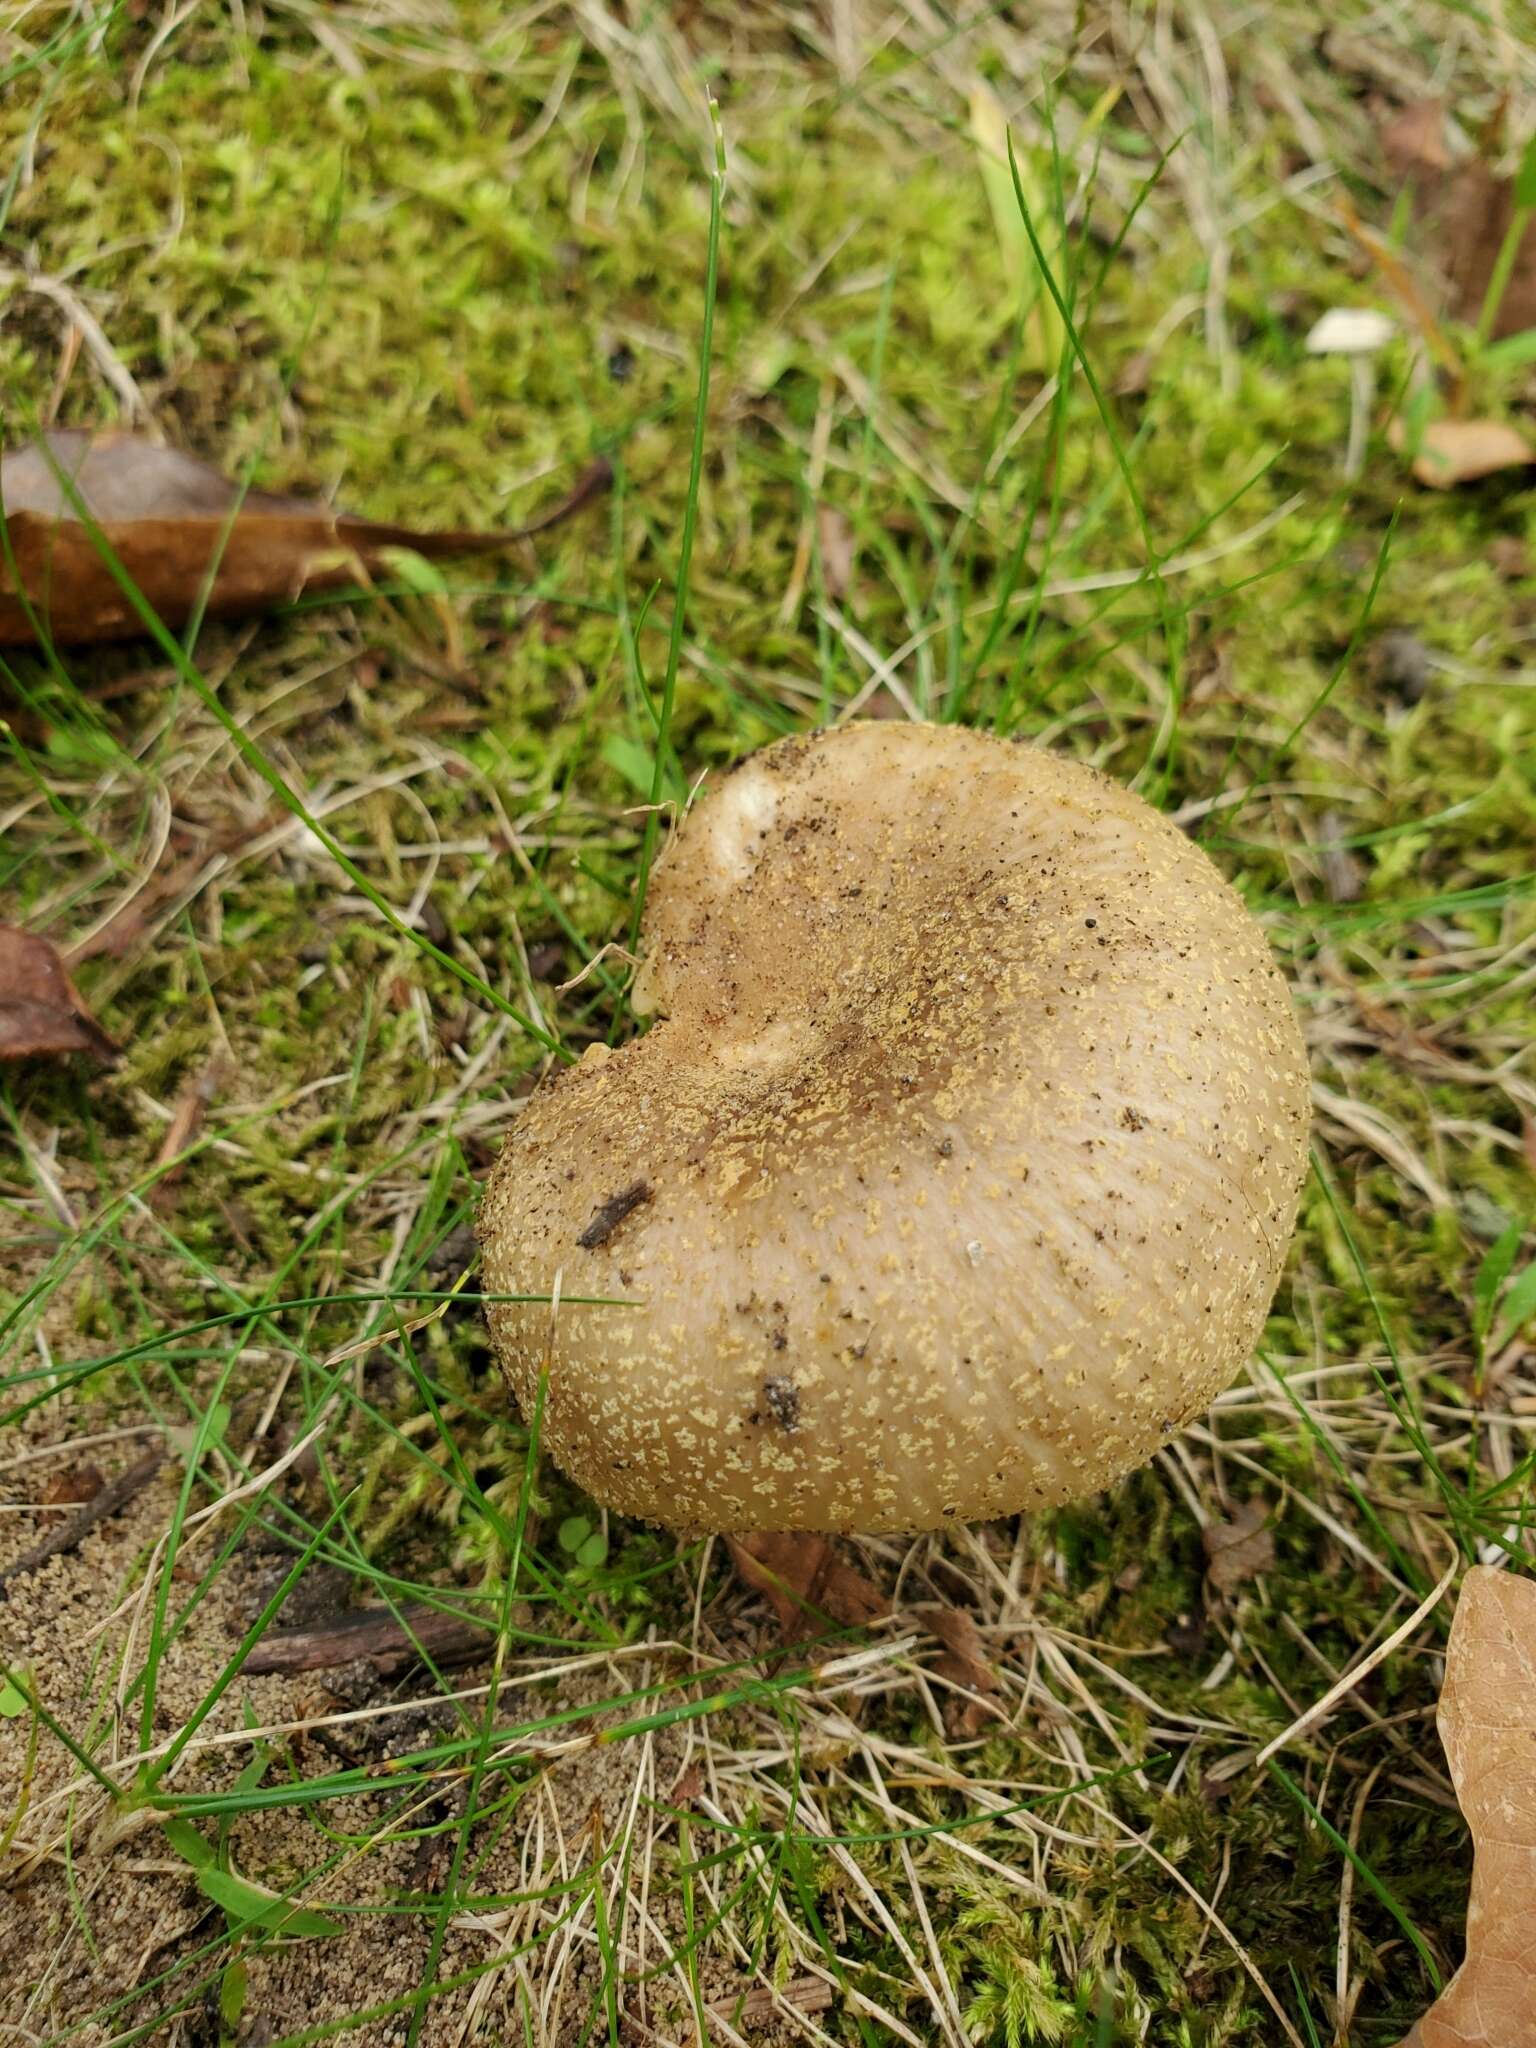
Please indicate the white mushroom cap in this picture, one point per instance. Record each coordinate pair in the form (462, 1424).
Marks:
(1350, 331)
(956, 1176)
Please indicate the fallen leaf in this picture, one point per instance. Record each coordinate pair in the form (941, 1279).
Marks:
(1240, 1549)
(170, 519)
(1463, 211)
(688, 1787)
(1413, 141)
(964, 1663)
(1487, 1722)
(72, 1487)
(39, 1009)
(805, 1582)
(1459, 451)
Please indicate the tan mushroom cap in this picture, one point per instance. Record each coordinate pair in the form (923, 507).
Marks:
(956, 1176)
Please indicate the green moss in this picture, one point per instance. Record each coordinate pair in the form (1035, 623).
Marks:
(369, 286)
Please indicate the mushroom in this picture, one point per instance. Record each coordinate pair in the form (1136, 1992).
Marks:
(1358, 332)
(955, 1174)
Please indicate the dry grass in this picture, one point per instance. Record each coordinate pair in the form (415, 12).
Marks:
(430, 257)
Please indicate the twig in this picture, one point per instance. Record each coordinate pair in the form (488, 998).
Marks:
(184, 1126)
(390, 1642)
(109, 1501)
(592, 482)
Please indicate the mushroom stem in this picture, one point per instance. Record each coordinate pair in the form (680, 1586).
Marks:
(1362, 387)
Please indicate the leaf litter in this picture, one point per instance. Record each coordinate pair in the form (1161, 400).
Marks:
(1465, 214)
(180, 529)
(964, 1663)
(40, 1011)
(1450, 452)
(1239, 1549)
(1487, 1723)
(806, 1583)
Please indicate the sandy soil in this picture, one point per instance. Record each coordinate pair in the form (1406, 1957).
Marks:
(84, 1920)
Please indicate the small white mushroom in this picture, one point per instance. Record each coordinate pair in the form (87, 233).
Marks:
(1358, 332)
(955, 1175)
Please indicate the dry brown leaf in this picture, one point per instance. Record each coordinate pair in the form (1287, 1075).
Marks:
(72, 1487)
(1509, 557)
(1487, 1723)
(806, 1583)
(964, 1662)
(1240, 1549)
(688, 1787)
(1413, 141)
(1459, 451)
(167, 517)
(39, 1009)
(1463, 212)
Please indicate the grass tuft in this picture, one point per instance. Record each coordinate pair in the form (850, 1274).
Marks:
(977, 390)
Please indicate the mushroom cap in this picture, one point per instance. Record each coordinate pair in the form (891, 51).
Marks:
(956, 1175)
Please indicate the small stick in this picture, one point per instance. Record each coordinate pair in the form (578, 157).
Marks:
(592, 482)
(109, 1501)
(185, 1124)
(374, 1632)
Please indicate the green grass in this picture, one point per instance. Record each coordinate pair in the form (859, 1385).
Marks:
(434, 260)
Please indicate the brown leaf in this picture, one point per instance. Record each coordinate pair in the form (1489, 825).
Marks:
(806, 1583)
(964, 1662)
(39, 1009)
(1463, 211)
(72, 1487)
(109, 1501)
(688, 1787)
(1240, 1549)
(1487, 1723)
(1509, 557)
(1460, 451)
(1413, 142)
(167, 518)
